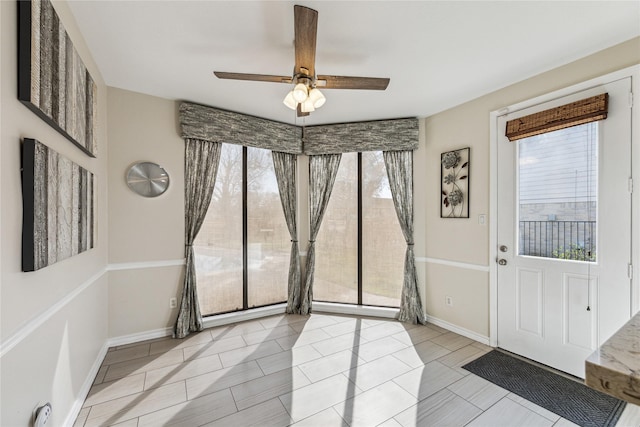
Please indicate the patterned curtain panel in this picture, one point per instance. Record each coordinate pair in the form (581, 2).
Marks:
(285, 168)
(322, 175)
(201, 159)
(400, 172)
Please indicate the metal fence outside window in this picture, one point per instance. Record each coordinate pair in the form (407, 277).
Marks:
(573, 240)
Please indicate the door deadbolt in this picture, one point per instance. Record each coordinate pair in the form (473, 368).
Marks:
(503, 248)
(502, 261)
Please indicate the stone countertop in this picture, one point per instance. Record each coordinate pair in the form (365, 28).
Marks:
(615, 367)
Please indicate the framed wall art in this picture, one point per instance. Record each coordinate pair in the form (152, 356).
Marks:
(58, 209)
(53, 82)
(454, 183)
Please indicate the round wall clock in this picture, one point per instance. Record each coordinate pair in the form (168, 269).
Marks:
(147, 179)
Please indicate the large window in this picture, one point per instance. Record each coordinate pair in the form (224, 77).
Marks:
(242, 249)
(268, 240)
(360, 247)
(336, 273)
(383, 245)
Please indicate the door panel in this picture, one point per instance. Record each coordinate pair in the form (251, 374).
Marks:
(530, 301)
(564, 213)
(579, 324)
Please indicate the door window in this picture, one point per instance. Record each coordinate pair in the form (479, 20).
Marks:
(558, 197)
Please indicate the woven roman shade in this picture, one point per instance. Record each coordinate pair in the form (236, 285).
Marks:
(573, 114)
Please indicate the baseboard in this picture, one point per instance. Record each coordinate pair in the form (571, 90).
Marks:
(241, 316)
(86, 387)
(93, 372)
(458, 330)
(139, 336)
(392, 313)
(355, 310)
(208, 322)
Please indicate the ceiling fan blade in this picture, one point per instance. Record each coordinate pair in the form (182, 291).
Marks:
(306, 30)
(346, 82)
(252, 77)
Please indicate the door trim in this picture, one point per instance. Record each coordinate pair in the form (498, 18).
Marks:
(494, 136)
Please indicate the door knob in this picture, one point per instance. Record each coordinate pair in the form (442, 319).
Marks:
(503, 248)
(502, 261)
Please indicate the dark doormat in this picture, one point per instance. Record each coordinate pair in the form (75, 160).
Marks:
(569, 399)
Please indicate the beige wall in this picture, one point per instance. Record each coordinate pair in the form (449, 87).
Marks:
(144, 128)
(146, 234)
(139, 300)
(464, 240)
(56, 317)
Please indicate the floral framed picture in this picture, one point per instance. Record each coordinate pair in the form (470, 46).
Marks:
(454, 183)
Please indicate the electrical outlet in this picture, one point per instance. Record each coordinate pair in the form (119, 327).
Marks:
(41, 415)
(448, 301)
(173, 302)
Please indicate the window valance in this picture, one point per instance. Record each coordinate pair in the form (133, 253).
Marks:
(215, 125)
(573, 114)
(381, 135)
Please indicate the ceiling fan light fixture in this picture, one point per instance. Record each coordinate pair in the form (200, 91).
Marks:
(307, 106)
(317, 98)
(290, 101)
(300, 92)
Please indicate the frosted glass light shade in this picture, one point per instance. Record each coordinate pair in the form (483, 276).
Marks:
(317, 98)
(300, 92)
(289, 101)
(307, 106)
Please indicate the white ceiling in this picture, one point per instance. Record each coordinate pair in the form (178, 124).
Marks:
(438, 54)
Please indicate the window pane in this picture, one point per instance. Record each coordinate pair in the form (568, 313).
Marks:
(383, 245)
(558, 197)
(218, 246)
(268, 236)
(336, 273)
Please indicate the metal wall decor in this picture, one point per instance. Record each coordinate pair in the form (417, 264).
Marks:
(53, 82)
(58, 207)
(147, 179)
(454, 184)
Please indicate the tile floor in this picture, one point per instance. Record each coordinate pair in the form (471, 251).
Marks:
(322, 370)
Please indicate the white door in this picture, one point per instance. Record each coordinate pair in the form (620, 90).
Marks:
(564, 234)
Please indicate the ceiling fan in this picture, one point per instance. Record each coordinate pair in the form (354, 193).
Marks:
(305, 96)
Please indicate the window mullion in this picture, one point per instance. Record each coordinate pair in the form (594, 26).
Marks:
(359, 228)
(245, 233)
